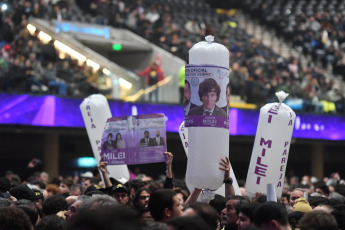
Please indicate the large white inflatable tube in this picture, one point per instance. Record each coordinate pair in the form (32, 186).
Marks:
(183, 131)
(271, 148)
(207, 145)
(96, 111)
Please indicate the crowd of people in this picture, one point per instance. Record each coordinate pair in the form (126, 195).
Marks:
(30, 66)
(36, 201)
(317, 30)
(256, 71)
(314, 27)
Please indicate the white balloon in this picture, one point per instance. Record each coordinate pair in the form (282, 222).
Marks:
(271, 149)
(183, 131)
(207, 145)
(95, 110)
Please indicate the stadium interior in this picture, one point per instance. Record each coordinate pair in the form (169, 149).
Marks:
(62, 51)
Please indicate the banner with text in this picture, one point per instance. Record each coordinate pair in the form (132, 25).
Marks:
(134, 139)
(271, 149)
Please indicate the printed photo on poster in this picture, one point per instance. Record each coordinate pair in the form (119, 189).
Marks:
(134, 139)
(206, 96)
(209, 94)
(147, 141)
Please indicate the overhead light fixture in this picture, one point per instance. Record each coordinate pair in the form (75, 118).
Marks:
(106, 71)
(45, 38)
(93, 64)
(125, 84)
(31, 29)
(66, 49)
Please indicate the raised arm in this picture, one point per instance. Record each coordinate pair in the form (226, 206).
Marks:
(169, 164)
(103, 168)
(225, 166)
(168, 184)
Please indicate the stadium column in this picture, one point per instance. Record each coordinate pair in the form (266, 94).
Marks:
(317, 160)
(51, 154)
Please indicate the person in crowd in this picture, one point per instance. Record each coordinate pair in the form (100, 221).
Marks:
(76, 190)
(181, 194)
(188, 223)
(52, 189)
(87, 182)
(205, 211)
(64, 187)
(246, 215)
(70, 200)
(230, 213)
(322, 188)
(99, 201)
(164, 205)
(52, 222)
(271, 216)
(141, 198)
(153, 75)
(285, 199)
(318, 220)
(54, 204)
(78, 204)
(297, 193)
(120, 193)
(53, 81)
(14, 218)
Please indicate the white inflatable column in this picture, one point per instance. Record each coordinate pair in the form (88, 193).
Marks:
(183, 131)
(271, 148)
(207, 145)
(95, 110)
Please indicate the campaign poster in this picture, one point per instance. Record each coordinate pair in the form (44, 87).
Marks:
(207, 95)
(134, 139)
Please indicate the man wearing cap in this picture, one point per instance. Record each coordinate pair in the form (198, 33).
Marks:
(22, 191)
(120, 193)
(86, 178)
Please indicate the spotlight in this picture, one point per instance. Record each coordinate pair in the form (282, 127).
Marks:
(4, 7)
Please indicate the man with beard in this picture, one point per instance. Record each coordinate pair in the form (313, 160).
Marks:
(158, 139)
(188, 105)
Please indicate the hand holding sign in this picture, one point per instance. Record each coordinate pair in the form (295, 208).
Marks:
(102, 165)
(134, 139)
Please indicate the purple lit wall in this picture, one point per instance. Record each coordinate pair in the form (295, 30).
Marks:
(64, 112)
